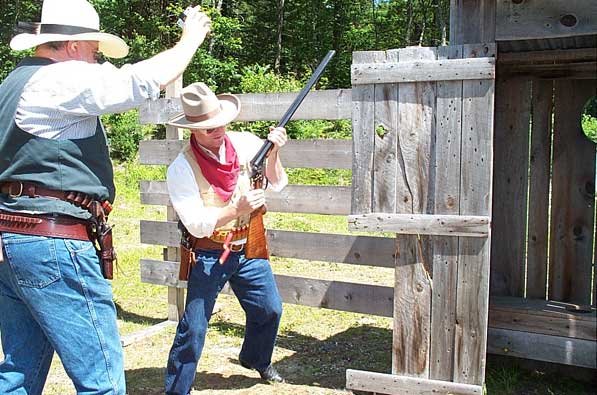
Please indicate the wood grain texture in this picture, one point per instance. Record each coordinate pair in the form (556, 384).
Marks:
(422, 224)
(540, 19)
(363, 140)
(511, 159)
(475, 199)
(573, 196)
(381, 383)
(539, 173)
(412, 290)
(358, 250)
(314, 199)
(420, 71)
(296, 153)
(446, 200)
(327, 104)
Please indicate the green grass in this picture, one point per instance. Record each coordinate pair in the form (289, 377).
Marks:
(315, 346)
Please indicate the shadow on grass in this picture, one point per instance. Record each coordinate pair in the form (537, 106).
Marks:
(127, 316)
(317, 363)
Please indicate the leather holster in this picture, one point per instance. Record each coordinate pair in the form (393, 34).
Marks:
(187, 261)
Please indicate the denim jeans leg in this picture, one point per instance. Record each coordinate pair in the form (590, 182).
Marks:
(206, 280)
(255, 287)
(27, 351)
(61, 283)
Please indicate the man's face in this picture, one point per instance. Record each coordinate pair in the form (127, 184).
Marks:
(211, 139)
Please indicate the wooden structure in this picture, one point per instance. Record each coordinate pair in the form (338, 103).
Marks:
(531, 245)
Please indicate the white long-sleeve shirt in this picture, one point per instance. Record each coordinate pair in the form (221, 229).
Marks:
(184, 192)
(63, 100)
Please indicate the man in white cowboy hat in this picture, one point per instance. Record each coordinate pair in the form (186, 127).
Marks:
(209, 188)
(56, 189)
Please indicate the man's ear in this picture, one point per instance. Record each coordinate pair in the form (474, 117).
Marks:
(72, 48)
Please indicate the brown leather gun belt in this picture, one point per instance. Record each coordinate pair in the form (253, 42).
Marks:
(44, 225)
(205, 243)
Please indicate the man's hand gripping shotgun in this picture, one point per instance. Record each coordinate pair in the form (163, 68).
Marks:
(256, 246)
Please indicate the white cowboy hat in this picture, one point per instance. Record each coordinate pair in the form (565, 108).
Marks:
(202, 109)
(70, 20)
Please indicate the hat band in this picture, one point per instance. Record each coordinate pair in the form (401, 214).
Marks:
(49, 28)
(203, 117)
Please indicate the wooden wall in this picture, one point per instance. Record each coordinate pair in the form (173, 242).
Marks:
(545, 180)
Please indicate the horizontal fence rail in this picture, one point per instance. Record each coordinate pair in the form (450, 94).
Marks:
(312, 199)
(357, 250)
(424, 224)
(310, 154)
(419, 71)
(325, 104)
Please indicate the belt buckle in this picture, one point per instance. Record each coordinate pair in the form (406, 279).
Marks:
(13, 195)
(236, 247)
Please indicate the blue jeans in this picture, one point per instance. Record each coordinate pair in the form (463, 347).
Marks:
(253, 284)
(53, 298)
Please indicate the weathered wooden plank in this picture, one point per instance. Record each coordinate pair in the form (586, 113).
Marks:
(475, 199)
(524, 20)
(421, 224)
(385, 141)
(335, 295)
(176, 300)
(540, 165)
(381, 383)
(572, 202)
(472, 21)
(548, 56)
(357, 250)
(326, 154)
(511, 158)
(420, 71)
(143, 334)
(447, 195)
(325, 104)
(541, 316)
(416, 133)
(314, 199)
(363, 141)
(539, 347)
(579, 71)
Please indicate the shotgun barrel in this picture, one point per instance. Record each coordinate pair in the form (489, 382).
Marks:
(259, 158)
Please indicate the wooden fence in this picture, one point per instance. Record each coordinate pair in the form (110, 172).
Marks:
(532, 328)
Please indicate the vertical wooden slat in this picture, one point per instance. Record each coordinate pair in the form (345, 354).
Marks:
(363, 140)
(572, 204)
(512, 124)
(447, 196)
(385, 136)
(475, 199)
(175, 295)
(412, 291)
(540, 160)
(462, 28)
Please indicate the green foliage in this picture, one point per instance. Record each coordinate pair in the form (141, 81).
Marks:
(589, 126)
(124, 133)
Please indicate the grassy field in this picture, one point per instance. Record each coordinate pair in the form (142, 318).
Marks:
(315, 346)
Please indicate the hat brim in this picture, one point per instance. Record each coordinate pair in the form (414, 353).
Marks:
(230, 108)
(110, 45)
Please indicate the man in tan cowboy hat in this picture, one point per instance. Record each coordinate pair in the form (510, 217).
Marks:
(56, 190)
(210, 190)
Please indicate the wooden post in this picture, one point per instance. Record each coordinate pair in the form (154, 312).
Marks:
(175, 295)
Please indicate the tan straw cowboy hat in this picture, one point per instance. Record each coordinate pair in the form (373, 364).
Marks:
(202, 109)
(70, 20)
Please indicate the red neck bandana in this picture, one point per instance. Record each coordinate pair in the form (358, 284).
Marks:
(221, 176)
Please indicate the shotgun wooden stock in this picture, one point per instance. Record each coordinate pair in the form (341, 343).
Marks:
(256, 247)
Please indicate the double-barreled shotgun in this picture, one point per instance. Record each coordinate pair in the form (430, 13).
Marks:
(256, 246)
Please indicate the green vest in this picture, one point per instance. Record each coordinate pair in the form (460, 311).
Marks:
(81, 165)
